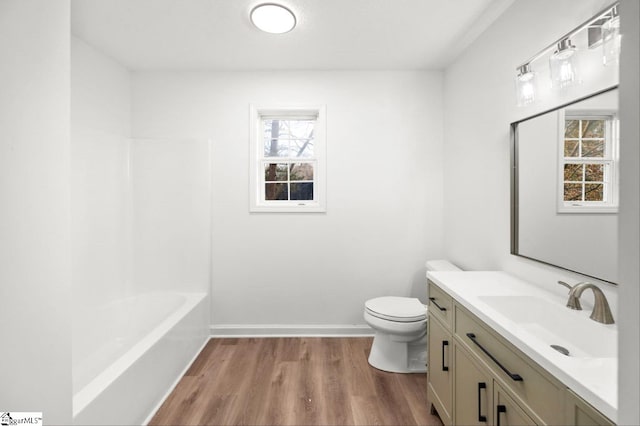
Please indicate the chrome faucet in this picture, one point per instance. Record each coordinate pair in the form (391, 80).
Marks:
(601, 311)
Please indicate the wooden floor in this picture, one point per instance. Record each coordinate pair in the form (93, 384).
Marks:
(294, 381)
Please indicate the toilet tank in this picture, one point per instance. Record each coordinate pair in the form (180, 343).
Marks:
(441, 265)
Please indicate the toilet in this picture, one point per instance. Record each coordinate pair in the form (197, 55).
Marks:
(400, 324)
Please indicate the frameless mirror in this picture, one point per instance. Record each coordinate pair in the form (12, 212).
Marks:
(564, 192)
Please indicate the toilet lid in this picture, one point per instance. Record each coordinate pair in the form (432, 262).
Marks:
(402, 309)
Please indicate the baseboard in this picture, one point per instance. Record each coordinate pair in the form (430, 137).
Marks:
(291, 330)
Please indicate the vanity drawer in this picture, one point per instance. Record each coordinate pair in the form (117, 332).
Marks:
(544, 395)
(440, 304)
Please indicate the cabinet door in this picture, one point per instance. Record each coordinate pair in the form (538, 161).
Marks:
(506, 411)
(580, 413)
(472, 390)
(439, 369)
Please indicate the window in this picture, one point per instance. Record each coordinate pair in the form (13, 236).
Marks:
(588, 166)
(287, 160)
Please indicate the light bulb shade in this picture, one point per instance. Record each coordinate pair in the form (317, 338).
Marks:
(611, 39)
(526, 85)
(562, 65)
(273, 18)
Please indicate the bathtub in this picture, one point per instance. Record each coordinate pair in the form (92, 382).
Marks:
(127, 354)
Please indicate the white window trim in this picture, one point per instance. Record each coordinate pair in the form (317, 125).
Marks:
(257, 203)
(611, 206)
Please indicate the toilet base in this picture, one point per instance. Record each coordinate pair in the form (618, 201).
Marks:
(398, 357)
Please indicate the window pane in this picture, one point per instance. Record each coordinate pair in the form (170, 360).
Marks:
(571, 128)
(594, 172)
(298, 129)
(593, 128)
(571, 148)
(271, 128)
(288, 138)
(276, 148)
(275, 172)
(572, 192)
(573, 172)
(275, 191)
(302, 148)
(302, 191)
(593, 148)
(594, 192)
(301, 171)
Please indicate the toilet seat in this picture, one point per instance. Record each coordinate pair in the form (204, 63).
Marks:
(396, 309)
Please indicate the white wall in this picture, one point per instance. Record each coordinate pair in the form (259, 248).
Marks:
(100, 128)
(35, 283)
(629, 231)
(479, 105)
(383, 220)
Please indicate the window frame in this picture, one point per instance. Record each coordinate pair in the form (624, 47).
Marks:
(257, 201)
(610, 160)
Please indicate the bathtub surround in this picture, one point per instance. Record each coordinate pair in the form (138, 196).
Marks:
(35, 290)
(100, 198)
(140, 234)
(171, 214)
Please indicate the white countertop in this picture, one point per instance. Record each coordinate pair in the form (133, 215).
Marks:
(594, 379)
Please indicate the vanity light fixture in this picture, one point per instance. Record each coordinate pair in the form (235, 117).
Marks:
(604, 27)
(562, 64)
(611, 38)
(273, 18)
(525, 85)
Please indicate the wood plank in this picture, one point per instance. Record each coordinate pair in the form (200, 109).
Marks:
(293, 381)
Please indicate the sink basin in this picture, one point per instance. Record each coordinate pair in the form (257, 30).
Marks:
(554, 324)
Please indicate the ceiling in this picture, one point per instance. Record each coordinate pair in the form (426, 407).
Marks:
(331, 34)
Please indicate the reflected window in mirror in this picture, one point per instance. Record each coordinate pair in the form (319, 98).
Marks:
(587, 173)
(574, 146)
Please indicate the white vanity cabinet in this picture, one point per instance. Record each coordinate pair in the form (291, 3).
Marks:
(477, 377)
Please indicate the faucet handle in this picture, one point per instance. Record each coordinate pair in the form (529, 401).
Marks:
(573, 302)
(565, 284)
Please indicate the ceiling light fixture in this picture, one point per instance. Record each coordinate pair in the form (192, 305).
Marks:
(273, 18)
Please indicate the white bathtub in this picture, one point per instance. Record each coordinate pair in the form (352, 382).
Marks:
(128, 353)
